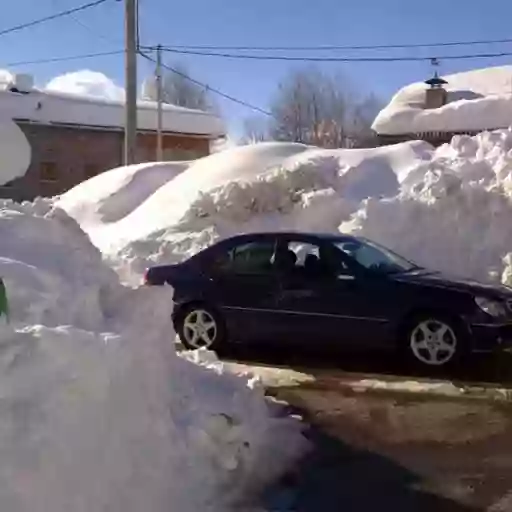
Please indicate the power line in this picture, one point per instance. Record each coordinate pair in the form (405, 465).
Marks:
(87, 27)
(52, 17)
(341, 47)
(209, 88)
(62, 59)
(334, 59)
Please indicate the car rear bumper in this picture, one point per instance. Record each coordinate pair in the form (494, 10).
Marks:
(491, 337)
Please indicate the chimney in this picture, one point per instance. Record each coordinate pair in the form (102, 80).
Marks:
(435, 95)
(22, 83)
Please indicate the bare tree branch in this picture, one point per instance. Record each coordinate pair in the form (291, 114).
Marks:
(255, 130)
(322, 110)
(178, 90)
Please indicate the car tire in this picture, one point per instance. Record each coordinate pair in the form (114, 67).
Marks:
(199, 326)
(434, 341)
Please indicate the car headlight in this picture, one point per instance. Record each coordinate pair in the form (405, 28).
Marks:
(492, 307)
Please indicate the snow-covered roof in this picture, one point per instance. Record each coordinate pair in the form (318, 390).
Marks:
(57, 107)
(477, 100)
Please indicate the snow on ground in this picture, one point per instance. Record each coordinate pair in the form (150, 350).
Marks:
(477, 100)
(97, 412)
(453, 213)
(264, 186)
(447, 208)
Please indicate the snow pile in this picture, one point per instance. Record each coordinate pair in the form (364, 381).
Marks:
(446, 208)
(453, 213)
(264, 186)
(97, 412)
(477, 100)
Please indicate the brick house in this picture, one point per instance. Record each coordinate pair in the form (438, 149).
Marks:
(73, 138)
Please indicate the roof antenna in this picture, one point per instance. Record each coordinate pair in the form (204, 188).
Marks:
(434, 62)
(435, 82)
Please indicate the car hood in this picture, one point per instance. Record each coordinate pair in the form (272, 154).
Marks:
(456, 283)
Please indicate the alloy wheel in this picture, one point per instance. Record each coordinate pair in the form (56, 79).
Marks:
(199, 329)
(433, 342)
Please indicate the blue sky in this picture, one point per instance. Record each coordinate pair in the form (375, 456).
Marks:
(261, 22)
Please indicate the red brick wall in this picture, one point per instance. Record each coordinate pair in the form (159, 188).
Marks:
(78, 153)
(175, 148)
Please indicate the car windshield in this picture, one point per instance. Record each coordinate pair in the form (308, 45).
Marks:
(375, 257)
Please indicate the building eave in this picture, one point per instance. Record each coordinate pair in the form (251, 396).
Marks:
(116, 129)
(431, 133)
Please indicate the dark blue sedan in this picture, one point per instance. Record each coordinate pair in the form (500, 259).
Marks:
(331, 291)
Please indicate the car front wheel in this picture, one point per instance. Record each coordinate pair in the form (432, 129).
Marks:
(199, 327)
(434, 341)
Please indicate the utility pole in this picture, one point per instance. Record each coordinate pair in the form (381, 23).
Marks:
(130, 132)
(158, 76)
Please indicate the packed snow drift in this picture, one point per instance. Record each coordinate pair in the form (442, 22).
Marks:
(477, 100)
(97, 412)
(447, 208)
(264, 186)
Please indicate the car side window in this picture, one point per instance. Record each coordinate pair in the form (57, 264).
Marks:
(314, 262)
(365, 255)
(249, 258)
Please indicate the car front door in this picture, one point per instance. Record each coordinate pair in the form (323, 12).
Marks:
(332, 305)
(244, 288)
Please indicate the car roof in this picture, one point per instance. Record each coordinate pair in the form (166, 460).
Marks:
(334, 237)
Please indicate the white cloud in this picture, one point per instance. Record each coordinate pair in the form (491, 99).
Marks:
(87, 83)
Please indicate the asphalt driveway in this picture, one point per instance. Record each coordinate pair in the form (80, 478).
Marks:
(389, 451)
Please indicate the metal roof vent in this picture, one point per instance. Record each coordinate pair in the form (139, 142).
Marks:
(22, 83)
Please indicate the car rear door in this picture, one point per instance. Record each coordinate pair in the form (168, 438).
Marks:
(244, 286)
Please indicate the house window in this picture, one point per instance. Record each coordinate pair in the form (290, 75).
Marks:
(48, 172)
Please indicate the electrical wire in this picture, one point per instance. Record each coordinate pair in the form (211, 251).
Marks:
(334, 59)
(88, 28)
(62, 59)
(209, 88)
(341, 47)
(55, 16)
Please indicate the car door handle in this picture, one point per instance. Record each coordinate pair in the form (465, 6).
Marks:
(297, 292)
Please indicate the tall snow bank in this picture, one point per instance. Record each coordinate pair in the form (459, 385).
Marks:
(453, 213)
(109, 196)
(448, 208)
(97, 412)
(113, 423)
(53, 273)
(264, 186)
